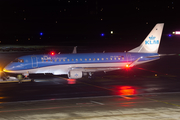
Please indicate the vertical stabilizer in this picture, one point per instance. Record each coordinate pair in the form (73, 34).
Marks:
(75, 50)
(152, 41)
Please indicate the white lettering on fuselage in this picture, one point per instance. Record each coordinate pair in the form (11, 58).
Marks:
(115, 56)
(52, 58)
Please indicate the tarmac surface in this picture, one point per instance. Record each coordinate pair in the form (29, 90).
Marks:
(150, 91)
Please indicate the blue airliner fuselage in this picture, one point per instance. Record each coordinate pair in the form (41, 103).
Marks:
(91, 60)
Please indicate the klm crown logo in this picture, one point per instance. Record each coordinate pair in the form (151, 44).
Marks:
(152, 37)
(76, 75)
(151, 41)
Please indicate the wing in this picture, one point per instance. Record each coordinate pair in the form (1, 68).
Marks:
(94, 69)
(106, 69)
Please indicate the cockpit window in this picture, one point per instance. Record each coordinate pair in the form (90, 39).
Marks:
(18, 60)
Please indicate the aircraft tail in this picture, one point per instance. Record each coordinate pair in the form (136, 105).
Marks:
(75, 50)
(152, 41)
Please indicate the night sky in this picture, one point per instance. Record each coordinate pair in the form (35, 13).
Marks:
(81, 22)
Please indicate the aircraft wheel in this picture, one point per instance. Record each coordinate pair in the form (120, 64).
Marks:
(20, 77)
(20, 81)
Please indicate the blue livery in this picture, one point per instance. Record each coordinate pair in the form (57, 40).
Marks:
(75, 65)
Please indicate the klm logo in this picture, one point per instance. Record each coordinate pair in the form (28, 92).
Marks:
(151, 41)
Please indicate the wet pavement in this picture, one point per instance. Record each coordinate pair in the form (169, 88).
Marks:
(150, 107)
(150, 91)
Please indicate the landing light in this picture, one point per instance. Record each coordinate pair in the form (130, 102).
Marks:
(127, 66)
(176, 32)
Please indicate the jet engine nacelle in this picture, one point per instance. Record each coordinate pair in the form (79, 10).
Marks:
(75, 74)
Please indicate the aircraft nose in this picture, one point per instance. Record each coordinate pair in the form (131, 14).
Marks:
(7, 68)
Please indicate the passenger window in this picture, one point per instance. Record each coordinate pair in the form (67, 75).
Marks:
(76, 59)
(94, 59)
(89, 59)
(51, 60)
(46, 60)
(119, 58)
(114, 58)
(72, 59)
(106, 58)
(59, 60)
(102, 59)
(123, 57)
(80, 59)
(67, 59)
(64, 60)
(97, 58)
(55, 60)
(85, 59)
(110, 58)
(42, 60)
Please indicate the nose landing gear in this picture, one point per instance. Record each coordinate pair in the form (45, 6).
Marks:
(20, 78)
(23, 77)
(3, 76)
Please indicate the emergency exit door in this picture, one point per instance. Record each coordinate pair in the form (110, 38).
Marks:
(34, 61)
(129, 58)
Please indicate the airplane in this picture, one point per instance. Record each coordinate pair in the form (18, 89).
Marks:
(76, 65)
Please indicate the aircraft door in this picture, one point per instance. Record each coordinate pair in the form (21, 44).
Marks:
(34, 62)
(129, 58)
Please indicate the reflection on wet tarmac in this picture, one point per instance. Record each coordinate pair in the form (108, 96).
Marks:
(127, 90)
(71, 81)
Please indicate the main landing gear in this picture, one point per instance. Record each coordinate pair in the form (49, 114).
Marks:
(90, 75)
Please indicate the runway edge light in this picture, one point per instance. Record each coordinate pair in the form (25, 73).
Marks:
(41, 33)
(102, 34)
